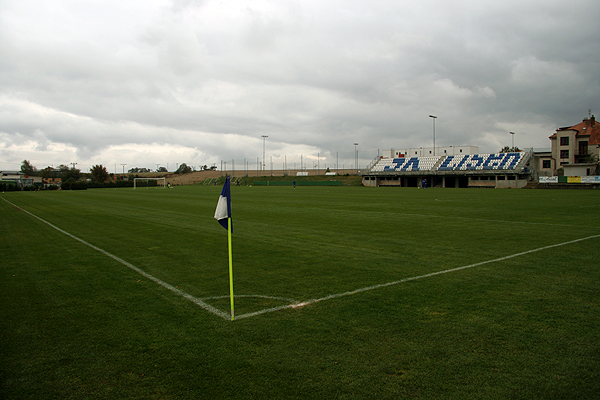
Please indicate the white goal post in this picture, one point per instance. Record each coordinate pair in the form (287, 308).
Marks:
(164, 180)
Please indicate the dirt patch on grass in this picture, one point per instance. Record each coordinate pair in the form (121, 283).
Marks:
(191, 178)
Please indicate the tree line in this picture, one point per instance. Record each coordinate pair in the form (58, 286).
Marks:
(182, 169)
(97, 172)
(74, 178)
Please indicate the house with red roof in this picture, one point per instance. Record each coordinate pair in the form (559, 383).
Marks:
(576, 148)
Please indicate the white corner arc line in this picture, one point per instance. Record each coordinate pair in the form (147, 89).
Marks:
(181, 293)
(414, 278)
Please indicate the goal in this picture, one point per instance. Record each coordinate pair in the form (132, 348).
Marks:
(164, 184)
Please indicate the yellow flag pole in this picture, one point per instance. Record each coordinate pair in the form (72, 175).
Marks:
(230, 266)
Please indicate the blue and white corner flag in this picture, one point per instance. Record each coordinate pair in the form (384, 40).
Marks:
(223, 215)
(223, 211)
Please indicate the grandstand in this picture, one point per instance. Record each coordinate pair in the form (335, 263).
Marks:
(495, 170)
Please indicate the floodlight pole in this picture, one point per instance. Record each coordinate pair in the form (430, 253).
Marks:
(513, 140)
(123, 165)
(434, 118)
(356, 157)
(264, 146)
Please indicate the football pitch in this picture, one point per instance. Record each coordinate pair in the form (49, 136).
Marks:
(340, 293)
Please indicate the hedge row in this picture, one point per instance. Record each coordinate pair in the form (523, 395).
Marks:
(72, 185)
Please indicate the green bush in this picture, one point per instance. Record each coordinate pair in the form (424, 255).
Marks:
(8, 187)
(72, 184)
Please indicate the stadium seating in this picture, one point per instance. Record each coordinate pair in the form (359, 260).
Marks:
(471, 162)
(494, 161)
(405, 164)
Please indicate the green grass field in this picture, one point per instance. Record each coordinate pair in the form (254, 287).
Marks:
(521, 322)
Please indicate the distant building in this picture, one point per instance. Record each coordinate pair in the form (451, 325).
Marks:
(52, 182)
(19, 179)
(542, 162)
(576, 148)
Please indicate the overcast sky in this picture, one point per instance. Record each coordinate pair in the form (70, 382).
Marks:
(147, 82)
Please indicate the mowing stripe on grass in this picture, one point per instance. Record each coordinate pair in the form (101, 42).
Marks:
(414, 278)
(293, 304)
(181, 293)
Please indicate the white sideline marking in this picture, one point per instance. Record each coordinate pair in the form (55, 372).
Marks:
(181, 293)
(414, 278)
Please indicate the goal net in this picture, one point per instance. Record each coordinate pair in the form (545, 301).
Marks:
(164, 180)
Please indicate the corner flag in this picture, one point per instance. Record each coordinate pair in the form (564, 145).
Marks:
(223, 211)
(223, 215)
